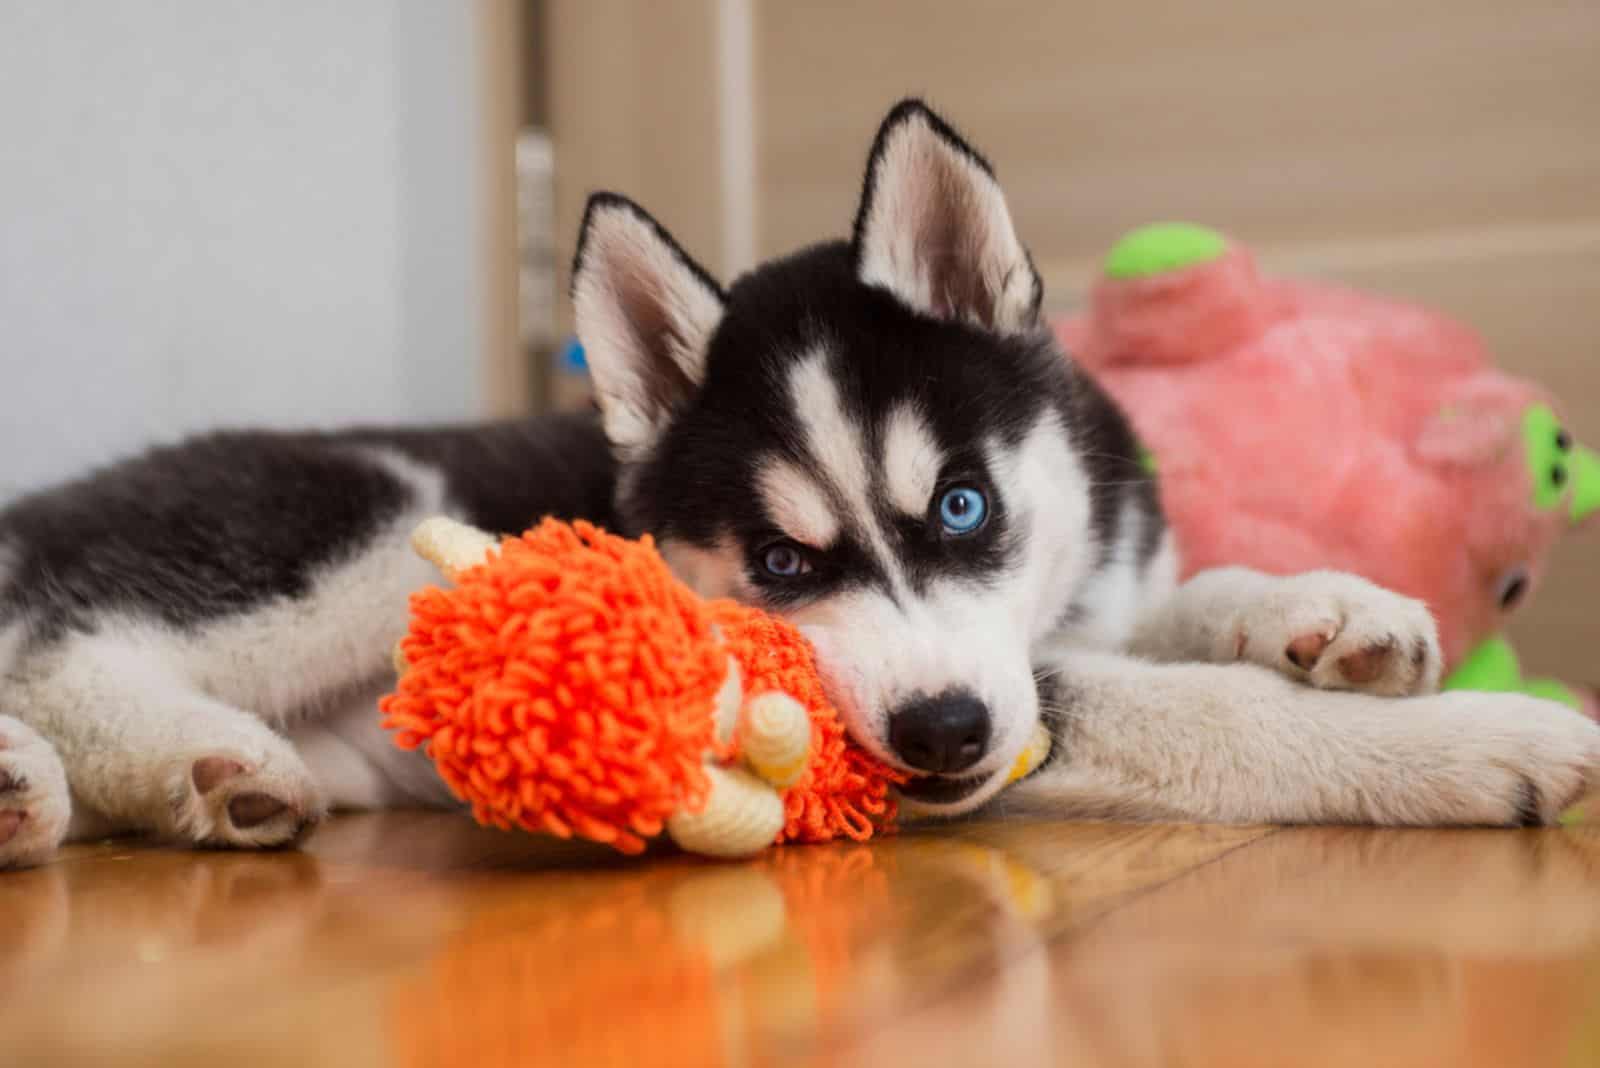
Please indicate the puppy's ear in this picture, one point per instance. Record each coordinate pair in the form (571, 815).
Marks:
(933, 227)
(645, 315)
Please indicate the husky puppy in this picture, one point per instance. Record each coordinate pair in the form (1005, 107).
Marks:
(877, 438)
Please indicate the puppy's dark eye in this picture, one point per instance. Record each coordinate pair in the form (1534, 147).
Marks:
(785, 559)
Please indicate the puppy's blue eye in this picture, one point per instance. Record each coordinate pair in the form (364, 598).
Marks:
(784, 560)
(962, 510)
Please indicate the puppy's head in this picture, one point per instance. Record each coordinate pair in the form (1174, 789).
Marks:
(871, 437)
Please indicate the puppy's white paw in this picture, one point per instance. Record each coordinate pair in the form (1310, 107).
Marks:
(35, 806)
(223, 796)
(1340, 632)
(1501, 760)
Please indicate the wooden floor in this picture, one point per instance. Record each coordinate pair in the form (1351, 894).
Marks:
(417, 940)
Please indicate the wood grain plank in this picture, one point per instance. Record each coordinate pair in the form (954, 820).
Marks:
(416, 939)
(634, 109)
(413, 939)
(1292, 123)
(1314, 947)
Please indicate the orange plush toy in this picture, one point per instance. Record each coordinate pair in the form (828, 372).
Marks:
(567, 683)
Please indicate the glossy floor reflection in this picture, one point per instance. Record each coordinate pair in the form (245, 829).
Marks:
(412, 939)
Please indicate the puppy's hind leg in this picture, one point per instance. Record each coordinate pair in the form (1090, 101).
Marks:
(145, 751)
(356, 763)
(35, 806)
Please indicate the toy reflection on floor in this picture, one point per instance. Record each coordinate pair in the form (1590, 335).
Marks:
(688, 963)
(1326, 946)
(1298, 426)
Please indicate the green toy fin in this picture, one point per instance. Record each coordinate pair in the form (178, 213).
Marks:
(1552, 690)
(1585, 470)
(1162, 247)
(1492, 667)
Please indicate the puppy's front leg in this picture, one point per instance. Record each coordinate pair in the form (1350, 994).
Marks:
(1242, 744)
(1332, 630)
(145, 750)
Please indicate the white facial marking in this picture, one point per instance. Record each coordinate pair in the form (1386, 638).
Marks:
(1046, 490)
(712, 572)
(911, 460)
(797, 505)
(1110, 600)
(839, 449)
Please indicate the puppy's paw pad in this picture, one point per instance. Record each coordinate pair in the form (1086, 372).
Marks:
(247, 811)
(210, 772)
(1304, 651)
(1340, 632)
(1368, 665)
(34, 804)
(228, 799)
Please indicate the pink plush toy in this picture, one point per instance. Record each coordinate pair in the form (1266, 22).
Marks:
(1297, 426)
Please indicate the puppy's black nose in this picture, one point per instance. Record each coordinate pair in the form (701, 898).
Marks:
(941, 734)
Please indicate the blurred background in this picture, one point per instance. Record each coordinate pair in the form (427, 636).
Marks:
(220, 212)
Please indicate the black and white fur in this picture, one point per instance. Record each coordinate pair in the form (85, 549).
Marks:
(195, 638)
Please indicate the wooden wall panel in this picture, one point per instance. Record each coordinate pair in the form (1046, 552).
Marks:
(1289, 123)
(634, 108)
(508, 387)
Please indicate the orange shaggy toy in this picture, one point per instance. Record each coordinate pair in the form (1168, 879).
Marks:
(568, 683)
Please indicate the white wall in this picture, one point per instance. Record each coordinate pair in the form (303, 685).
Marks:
(222, 212)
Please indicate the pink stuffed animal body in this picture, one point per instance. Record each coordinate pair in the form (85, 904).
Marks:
(1298, 426)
